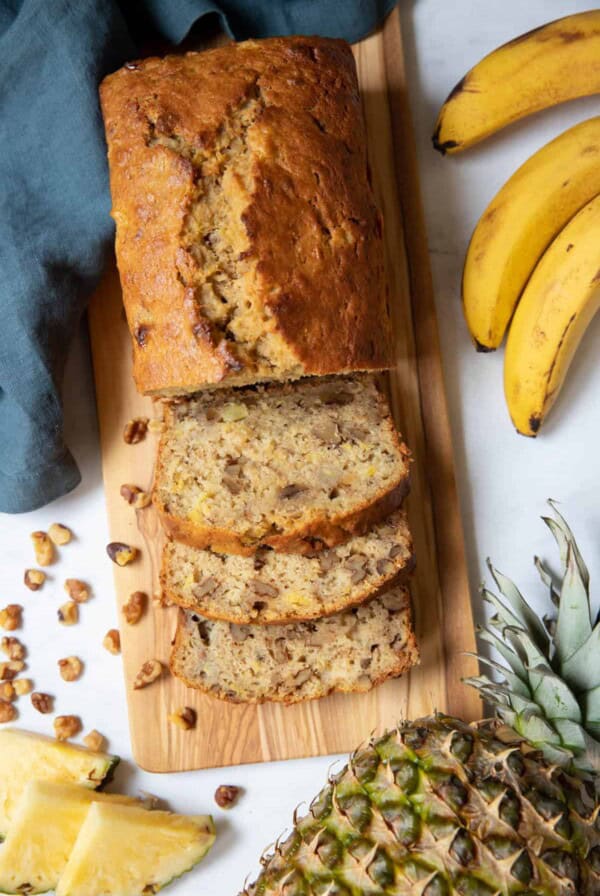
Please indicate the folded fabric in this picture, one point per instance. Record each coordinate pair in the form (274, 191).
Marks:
(55, 229)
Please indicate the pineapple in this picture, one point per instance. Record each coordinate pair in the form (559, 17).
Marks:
(44, 827)
(25, 756)
(498, 808)
(129, 851)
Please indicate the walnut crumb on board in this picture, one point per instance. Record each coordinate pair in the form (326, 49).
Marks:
(150, 671)
(120, 553)
(185, 718)
(135, 430)
(135, 607)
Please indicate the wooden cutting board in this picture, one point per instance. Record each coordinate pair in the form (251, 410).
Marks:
(228, 734)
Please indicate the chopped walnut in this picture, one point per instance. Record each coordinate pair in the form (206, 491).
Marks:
(227, 795)
(95, 741)
(70, 668)
(43, 548)
(11, 617)
(68, 614)
(150, 671)
(7, 691)
(44, 703)
(8, 712)
(22, 686)
(135, 430)
(77, 590)
(60, 534)
(34, 579)
(135, 496)
(13, 648)
(185, 717)
(66, 727)
(135, 607)
(112, 641)
(120, 553)
(10, 670)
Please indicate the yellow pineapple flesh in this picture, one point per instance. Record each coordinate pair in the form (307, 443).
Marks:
(43, 831)
(128, 851)
(25, 757)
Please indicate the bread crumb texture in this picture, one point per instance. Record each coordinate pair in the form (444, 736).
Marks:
(272, 587)
(350, 651)
(297, 467)
(248, 240)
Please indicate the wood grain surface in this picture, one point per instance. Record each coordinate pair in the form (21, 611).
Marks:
(229, 734)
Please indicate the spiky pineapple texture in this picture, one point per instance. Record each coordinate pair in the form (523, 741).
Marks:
(505, 807)
(437, 808)
(549, 690)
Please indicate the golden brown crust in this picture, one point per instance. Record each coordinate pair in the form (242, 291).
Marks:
(313, 256)
(406, 660)
(316, 535)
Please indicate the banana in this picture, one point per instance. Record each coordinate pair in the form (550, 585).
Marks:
(556, 307)
(549, 65)
(520, 222)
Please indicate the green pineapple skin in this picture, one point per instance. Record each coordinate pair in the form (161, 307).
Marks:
(437, 808)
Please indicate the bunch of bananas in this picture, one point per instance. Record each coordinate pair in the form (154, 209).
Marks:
(534, 258)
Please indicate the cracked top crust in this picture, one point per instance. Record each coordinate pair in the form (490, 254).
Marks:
(248, 241)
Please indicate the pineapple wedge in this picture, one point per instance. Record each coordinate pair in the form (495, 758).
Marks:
(42, 833)
(127, 851)
(25, 756)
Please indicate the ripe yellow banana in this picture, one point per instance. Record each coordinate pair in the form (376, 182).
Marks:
(520, 222)
(557, 305)
(546, 66)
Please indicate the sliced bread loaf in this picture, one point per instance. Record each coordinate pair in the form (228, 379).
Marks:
(297, 467)
(351, 651)
(271, 587)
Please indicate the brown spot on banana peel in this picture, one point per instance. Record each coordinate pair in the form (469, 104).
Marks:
(448, 145)
(522, 37)
(535, 421)
(567, 37)
(445, 147)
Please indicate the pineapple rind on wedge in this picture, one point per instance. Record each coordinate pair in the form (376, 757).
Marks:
(25, 756)
(506, 807)
(43, 830)
(129, 851)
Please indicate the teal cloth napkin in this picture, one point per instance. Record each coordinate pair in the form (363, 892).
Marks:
(55, 229)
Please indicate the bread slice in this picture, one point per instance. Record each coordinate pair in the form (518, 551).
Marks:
(274, 588)
(351, 651)
(295, 466)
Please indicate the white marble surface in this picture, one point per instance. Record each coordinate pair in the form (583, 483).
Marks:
(504, 478)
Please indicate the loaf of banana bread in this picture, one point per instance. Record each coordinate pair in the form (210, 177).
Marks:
(248, 241)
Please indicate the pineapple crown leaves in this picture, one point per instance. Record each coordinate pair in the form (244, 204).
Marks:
(548, 689)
